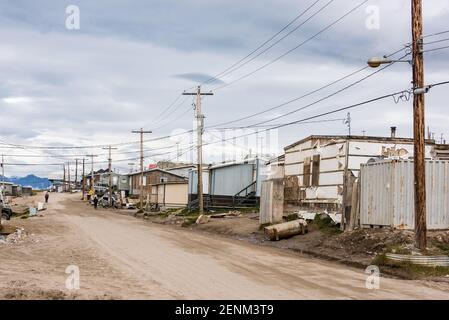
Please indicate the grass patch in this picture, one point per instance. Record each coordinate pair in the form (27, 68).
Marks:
(326, 224)
(443, 247)
(163, 214)
(186, 212)
(291, 217)
(190, 220)
(398, 249)
(414, 271)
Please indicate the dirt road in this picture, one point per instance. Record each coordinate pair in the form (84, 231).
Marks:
(121, 257)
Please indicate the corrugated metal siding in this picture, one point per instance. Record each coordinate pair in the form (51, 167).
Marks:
(193, 182)
(387, 194)
(227, 181)
(376, 203)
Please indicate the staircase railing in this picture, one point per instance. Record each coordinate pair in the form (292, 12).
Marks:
(244, 195)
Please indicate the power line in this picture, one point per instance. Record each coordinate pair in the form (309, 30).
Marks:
(273, 125)
(294, 48)
(436, 41)
(303, 120)
(166, 109)
(293, 100)
(435, 34)
(436, 49)
(231, 70)
(260, 46)
(214, 78)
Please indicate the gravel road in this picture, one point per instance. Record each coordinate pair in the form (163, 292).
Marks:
(121, 257)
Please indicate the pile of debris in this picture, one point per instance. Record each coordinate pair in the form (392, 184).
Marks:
(202, 219)
(16, 237)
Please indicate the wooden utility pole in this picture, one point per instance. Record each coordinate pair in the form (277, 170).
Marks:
(3, 175)
(76, 173)
(83, 182)
(68, 175)
(419, 126)
(92, 156)
(110, 173)
(141, 132)
(199, 128)
(63, 178)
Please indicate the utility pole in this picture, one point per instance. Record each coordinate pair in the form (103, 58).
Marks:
(76, 173)
(199, 129)
(419, 126)
(110, 173)
(3, 175)
(348, 122)
(92, 156)
(68, 174)
(83, 182)
(63, 178)
(141, 132)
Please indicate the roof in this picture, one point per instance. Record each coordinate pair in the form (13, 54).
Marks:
(357, 138)
(182, 167)
(153, 170)
(280, 158)
(234, 163)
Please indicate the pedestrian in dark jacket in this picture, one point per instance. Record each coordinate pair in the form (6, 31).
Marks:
(95, 201)
(47, 195)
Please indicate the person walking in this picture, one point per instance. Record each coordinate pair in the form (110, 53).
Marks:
(95, 201)
(47, 195)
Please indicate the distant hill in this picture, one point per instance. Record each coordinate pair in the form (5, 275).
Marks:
(30, 180)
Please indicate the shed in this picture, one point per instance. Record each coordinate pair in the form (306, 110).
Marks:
(387, 194)
(27, 191)
(170, 194)
(230, 184)
(8, 188)
(151, 177)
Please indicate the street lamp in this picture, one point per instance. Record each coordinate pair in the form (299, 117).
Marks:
(376, 61)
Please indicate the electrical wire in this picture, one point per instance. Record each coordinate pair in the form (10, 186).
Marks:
(329, 26)
(282, 38)
(435, 49)
(214, 78)
(435, 34)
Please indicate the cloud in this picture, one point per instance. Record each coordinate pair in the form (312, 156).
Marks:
(199, 78)
(130, 60)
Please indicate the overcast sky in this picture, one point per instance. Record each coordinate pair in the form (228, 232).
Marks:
(131, 59)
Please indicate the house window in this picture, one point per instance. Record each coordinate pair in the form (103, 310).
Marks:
(316, 170)
(306, 172)
(163, 180)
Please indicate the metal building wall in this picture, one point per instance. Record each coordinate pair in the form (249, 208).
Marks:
(228, 180)
(193, 182)
(387, 194)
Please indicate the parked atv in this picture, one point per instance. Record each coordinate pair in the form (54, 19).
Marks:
(6, 211)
